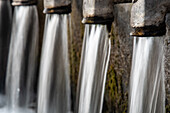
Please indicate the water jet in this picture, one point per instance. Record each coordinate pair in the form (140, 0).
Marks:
(54, 82)
(147, 88)
(95, 55)
(22, 60)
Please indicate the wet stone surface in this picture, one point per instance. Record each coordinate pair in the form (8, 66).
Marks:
(167, 64)
(116, 93)
(117, 83)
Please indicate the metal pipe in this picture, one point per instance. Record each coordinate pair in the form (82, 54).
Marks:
(97, 11)
(148, 17)
(24, 2)
(122, 1)
(57, 6)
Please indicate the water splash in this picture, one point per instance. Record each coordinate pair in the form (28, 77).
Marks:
(54, 82)
(22, 61)
(93, 70)
(147, 90)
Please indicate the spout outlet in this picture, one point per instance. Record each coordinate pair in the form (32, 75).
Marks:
(97, 11)
(57, 6)
(24, 2)
(122, 1)
(148, 17)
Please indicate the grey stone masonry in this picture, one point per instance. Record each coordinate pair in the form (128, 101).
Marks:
(99, 9)
(56, 3)
(167, 63)
(57, 6)
(149, 12)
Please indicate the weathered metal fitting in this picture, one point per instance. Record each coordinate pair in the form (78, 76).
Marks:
(133, 1)
(97, 11)
(97, 20)
(122, 1)
(57, 6)
(24, 2)
(149, 31)
(148, 17)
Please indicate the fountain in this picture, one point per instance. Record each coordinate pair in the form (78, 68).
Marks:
(147, 89)
(22, 60)
(19, 68)
(95, 56)
(54, 82)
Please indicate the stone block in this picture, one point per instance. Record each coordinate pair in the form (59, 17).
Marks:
(57, 6)
(97, 11)
(148, 17)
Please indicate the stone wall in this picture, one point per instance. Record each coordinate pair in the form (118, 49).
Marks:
(75, 45)
(117, 83)
(167, 64)
(116, 93)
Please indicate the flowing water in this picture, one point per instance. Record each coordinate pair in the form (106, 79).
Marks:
(93, 70)
(22, 61)
(54, 83)
(147, 90)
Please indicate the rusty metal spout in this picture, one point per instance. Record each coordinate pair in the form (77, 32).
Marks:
(148, 17)
(57, 6)
(24, 2)
(97, 11)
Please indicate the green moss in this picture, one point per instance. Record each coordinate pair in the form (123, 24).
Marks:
(114, 90)
(114, 101)
(168, 109)
(82, 26)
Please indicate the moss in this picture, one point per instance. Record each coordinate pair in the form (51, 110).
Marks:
(75, 45)
(168, 109)
(114, 92)
(82, 26)
(75, 56)
(114, 101)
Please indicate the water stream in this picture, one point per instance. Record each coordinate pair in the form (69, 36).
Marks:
(147, 90)
(54, 83)
(18, 95)
(22, 61)
(93, 70)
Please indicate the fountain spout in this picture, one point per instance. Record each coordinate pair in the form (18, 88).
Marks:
(148, 17)
(57, 6)
(97, 11)
(24, 2)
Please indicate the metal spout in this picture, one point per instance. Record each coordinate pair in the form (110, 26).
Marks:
(97, 11)
(24, 2)
(148, 17)
(57, 6)
(122, 1)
